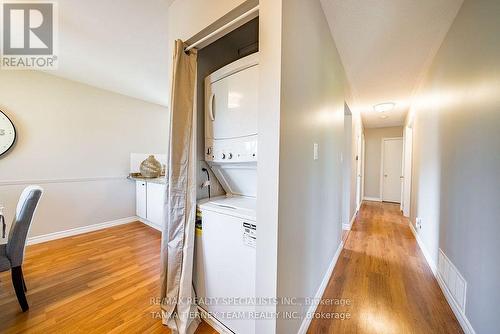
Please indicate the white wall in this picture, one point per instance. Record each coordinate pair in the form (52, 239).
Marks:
(456, 180)
(80, 138)
(270, 54)
(310, 191)
(188, 17)
(373, 156)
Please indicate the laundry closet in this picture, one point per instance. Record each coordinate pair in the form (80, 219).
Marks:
(227, 158)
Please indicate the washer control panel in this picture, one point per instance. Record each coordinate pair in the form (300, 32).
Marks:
(242, 149)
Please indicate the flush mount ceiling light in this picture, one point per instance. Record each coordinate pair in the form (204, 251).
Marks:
(383, 116)
(383, 107)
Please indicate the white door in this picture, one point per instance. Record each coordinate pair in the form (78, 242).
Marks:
(359, 157)
(140, 199)
(407, 171)
(231, 105)
(392, 164)
(155, 203)
(363, 162)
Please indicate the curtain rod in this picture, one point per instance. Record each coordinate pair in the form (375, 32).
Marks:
(224, 27)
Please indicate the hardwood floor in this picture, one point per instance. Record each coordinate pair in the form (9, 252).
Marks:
(103, 282)
(99, 282)
(384, 275)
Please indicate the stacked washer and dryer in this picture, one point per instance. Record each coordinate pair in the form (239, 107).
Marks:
(226, 241)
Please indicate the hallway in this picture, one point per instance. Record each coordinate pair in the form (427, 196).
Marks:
(383, 274)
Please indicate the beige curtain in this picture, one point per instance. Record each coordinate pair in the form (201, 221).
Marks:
(180, 204)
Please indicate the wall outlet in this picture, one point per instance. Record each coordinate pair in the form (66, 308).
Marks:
(418, 223)
(315, 151)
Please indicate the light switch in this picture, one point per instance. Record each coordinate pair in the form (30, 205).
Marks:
(315, 151)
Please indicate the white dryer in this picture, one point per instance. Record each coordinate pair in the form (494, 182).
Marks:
(225, 255)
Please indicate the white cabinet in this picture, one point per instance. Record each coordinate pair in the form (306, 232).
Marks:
(150, 198)
(155, 202)
(140, 199)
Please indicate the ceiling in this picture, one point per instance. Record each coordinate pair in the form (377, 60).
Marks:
(117, 45)
(386, 46)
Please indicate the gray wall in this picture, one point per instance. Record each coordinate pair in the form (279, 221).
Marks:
(79, 138)
(456, 178)
(373, 157)
(312, 111)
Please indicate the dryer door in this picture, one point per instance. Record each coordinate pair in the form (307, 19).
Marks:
(231, 105)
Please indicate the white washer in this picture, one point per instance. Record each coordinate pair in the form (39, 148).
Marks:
(225, 261)
(224, 275)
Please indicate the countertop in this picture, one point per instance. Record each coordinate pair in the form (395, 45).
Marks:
(158, 180)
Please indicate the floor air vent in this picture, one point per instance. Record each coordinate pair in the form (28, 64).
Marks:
(454, 281)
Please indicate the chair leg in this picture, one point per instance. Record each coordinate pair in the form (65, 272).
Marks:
(24, 285)
(17, 281)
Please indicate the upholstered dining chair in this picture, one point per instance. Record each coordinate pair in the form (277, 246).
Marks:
(12, 253)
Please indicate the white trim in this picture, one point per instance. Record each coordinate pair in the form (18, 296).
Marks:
(150, 224)
(427, 255)
(321, 290)
(372, 199)
(349, 225)
(213, 322)
(252, 13)
(80, 230)
(363, 163)
(68, 180)
(461, 317)
(381, 185)
(407, 170)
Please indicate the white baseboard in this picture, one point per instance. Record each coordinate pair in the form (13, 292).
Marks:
(427, 256)
(214, 323)
(461, 317)
(80, 230)
(372, 199)
(348, 226)
(321, 290)
(150, 224)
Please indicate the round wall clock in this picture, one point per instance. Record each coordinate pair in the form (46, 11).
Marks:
(7, 134)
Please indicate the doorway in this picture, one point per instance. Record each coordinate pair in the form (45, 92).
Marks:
(359, 170)
(391, 171)
(348, 205)
(407, 170)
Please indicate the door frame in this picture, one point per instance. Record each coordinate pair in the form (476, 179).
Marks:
(363, 154)
(407, 172)
(359, 161)
(381, 190)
